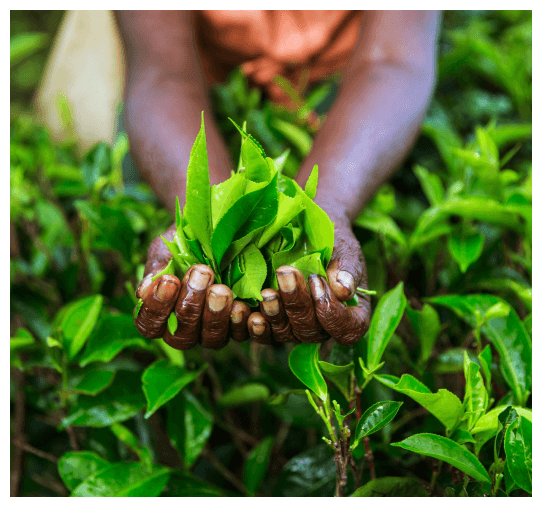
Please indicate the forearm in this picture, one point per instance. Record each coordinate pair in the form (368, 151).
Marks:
(376, 117)
(165, 94)
(163, 119)
(369, 131)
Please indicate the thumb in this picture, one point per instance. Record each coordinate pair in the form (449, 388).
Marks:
(346, 270)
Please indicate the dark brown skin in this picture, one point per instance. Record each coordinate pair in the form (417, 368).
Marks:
(368, 132)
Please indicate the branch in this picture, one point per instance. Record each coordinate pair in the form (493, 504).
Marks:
(18, 430)
(232, 479)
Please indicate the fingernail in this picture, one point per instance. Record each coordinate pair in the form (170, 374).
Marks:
(317, 286)
(258, 329)
(217, 302)
(271, 305)
(141, 291)
(198, 281)
(236, 318)
(346, 280)
(165, 290)
(286, 281)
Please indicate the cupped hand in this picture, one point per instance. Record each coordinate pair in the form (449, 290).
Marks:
(314, 313)
(206, 312)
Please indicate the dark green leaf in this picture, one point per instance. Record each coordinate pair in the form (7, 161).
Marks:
(162, 381)
(288, 208)
(75, 467)
(254, 271)
(197, 209)
(113, 334)
(189, 424)
(518, 445)
(446, 450)
(391, 487)
(462, 437)
(128, 438)
(444, 405)
(182, 484)
(303, 362)
(124, 479)
(339, 375)
(116, 404)
(78, 320)
(248, 393)
(256, 464)
(426, 325)
(375, 418)
(311, 473)
(465, 249)
(385, 320)
(234, 218)
(507, 334)
(94, 382)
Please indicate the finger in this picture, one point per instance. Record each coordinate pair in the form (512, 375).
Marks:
(216, 317)
(346, 268)
(158, 254)
(259, 328)
(240, 312)
(345, 324)
(274, 313)
(298, 304)
(189, 307)
(158, 298)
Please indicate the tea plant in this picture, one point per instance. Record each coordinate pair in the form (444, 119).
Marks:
(435, 400)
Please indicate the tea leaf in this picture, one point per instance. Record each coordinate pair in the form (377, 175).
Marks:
(446, 450)
(303, 362)
(197, 210)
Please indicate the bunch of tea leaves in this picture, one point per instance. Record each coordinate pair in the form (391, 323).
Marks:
(249, 225)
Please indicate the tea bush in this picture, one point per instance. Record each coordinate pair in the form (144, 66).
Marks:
(434, 401)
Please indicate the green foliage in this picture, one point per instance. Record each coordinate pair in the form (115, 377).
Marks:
(448, 246)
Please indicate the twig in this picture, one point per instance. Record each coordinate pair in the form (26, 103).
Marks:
(242, 434)
(217, 393)
(232, 479)
(72, 435)
(50, 484)
(32, 450)
(370, 457)
(238, 351)
(18, 453)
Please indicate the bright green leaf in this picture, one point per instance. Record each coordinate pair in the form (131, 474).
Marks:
(385, 320)
(444, 405)
(465, 249)
(518, 445)
(446, 450)
(374, 419)
(124, 479)
(75, 467)
(303, 362)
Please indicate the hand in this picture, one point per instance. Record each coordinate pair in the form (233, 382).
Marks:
(205, 311)
(294, 314)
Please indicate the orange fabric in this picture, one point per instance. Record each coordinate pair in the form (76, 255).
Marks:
(301, 46)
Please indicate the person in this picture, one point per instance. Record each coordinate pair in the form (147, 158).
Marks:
(387, 61)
